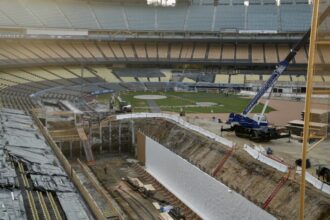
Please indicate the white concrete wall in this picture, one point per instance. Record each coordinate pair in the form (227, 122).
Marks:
(180, 121)
(284, 168)
(208, 197)
(266, 160)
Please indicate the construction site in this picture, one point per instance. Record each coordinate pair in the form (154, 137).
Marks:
(111, 116)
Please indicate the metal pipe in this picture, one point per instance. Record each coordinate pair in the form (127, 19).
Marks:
(309, 84)
(315, 144)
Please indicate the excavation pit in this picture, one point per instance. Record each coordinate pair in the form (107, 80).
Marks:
(122, 139)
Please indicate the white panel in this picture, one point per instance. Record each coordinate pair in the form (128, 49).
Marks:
(326, 188)
(208, 197)
(57, 32)
(266, 160)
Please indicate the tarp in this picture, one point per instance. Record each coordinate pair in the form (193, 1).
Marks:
(25, 142)
(188, 183)
(9, 208)
(52, 183)
(72, 206)
(20, 139)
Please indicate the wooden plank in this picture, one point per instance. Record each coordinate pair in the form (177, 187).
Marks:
(82, 134)
(321, 91)
(141, 147)
(312, 124)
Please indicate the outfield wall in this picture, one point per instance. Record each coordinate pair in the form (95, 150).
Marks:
(208, 197)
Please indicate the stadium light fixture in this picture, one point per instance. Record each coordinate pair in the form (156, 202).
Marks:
(246, 3)
(278, 2)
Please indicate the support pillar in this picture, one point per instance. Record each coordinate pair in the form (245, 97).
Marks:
(70, 149)
(308, 101)
(80, 149)
(101, 138)
(46, 119)
(119, 136)
(133, 132)
(110, 137)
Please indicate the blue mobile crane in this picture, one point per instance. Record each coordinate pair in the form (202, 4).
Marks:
(257, 128)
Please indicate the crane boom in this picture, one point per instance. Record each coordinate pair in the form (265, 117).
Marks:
(276, 74)
(257, 128)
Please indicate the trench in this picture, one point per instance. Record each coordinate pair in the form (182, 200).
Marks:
(240, 173)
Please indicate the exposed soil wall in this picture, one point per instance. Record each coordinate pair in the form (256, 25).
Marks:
(242, 173)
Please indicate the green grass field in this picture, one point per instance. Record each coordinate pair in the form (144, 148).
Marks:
(176, 101)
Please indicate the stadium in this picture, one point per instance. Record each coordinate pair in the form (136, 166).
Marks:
(186, 109)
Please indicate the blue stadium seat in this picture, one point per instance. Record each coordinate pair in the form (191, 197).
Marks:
(74, 11)
(230, 14)
(140, 17)
(171, 18)
(109, 17)
(229, 17)
(262, 17)
(200, 18)
(224, 2)
(293, 17)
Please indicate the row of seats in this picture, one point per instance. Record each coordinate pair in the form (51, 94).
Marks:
(34, 79)
(253, 78)
(71, 81)
(251, 2)
(16, 102)
(183, 17)
(21, 52)
(44, 77)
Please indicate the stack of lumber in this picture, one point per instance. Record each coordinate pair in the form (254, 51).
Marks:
(317, 129)
(318, 115)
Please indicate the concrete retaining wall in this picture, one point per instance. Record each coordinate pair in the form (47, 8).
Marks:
(284, 168)
(262, 158)
(180, 121)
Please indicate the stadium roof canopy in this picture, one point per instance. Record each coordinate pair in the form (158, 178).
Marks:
(208, 16)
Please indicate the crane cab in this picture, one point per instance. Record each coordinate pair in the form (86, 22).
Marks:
(261, 119)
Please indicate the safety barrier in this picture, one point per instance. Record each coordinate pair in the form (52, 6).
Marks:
(284, 168)
(262, 158)
(180, 121)
(315, 182)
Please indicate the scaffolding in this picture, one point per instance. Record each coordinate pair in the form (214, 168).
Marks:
(317, 91)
